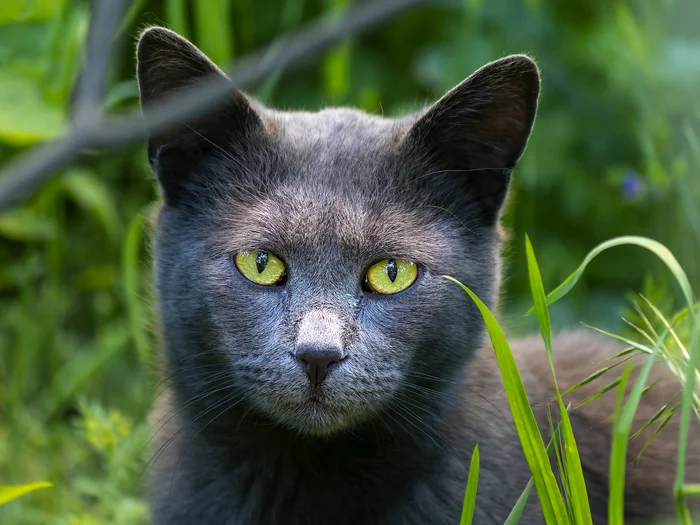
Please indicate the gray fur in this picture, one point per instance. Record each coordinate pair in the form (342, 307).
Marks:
(387, 436)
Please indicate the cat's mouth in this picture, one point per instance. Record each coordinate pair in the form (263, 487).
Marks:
(316, 412)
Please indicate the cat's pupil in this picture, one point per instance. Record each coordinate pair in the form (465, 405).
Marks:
(392, 269)
(261, 261)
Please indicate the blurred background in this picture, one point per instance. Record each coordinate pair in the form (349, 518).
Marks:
(615, 151)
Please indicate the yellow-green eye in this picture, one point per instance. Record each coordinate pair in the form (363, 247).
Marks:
(260, 267)
(391, 275)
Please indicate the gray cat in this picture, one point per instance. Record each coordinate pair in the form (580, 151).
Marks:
(321, 370)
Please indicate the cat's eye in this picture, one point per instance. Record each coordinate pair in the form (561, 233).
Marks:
(261, 267)
(390, 276)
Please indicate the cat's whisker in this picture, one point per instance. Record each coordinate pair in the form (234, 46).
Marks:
(392, 407)
(457, 399)
(187, 373)
(170, 440)
(246, 394)
(431, 377)
(198, 398)
(431, 429)
(404, 411)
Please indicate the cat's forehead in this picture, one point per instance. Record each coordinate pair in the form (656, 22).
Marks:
(336, 132)
(341, 188)
(294, 219)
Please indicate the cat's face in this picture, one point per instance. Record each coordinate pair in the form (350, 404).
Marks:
(299, 256)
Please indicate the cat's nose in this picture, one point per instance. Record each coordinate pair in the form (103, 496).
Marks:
(318, 360)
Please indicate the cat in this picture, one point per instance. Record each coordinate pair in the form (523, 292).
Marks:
(320, 368)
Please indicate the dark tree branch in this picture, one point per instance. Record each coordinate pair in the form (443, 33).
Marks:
(92, 86)
(28, 171)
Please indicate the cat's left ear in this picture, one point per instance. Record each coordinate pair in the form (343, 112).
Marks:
(168, 64)
(479, 129)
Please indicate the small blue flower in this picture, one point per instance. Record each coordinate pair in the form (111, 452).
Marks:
(632, 185)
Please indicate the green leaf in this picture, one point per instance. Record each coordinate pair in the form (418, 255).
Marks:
(470, 493)
(176, 16)
(10, 492)
(131, 268)
(93, 195)
(85, 366)
(214, 29)
(25, 225)
(24, 11)
(131, 15)
(574, 482)
(336, 66)
(550, 498)
(26, 117)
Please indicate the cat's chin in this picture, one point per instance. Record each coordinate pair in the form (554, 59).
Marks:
(316, 416)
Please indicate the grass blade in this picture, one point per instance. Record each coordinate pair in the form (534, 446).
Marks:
(618, 457)
(514, 516)
(572, 472)
(214, 30)
(131, 268)
(516, 512)
(551, 501)
(470, 493)
(692, 490)
(10, 492)
(654, 246)
(621, 432)
(176, 15)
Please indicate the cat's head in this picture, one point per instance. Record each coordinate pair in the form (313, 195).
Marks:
(299, 256)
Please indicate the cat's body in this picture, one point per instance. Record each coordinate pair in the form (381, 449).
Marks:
(314, 397)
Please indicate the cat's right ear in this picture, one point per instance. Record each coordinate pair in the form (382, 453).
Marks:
(476, 132)
(168, 64)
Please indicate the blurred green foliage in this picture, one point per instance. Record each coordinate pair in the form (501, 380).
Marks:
(616, 150)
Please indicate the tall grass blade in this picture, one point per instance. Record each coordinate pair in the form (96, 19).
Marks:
(654, 246)
(517, 511)
(514, 516)
(551, 501)
(131, 268)
(176, 15)
(574, 483)
(621, 432)
(470, 493)
(214, 29)
(618, 459)
(686, 404)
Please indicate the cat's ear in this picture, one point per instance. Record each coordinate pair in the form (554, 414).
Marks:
(167, 65)
(479, 129)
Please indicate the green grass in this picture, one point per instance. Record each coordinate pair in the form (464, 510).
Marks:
(568, 502)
